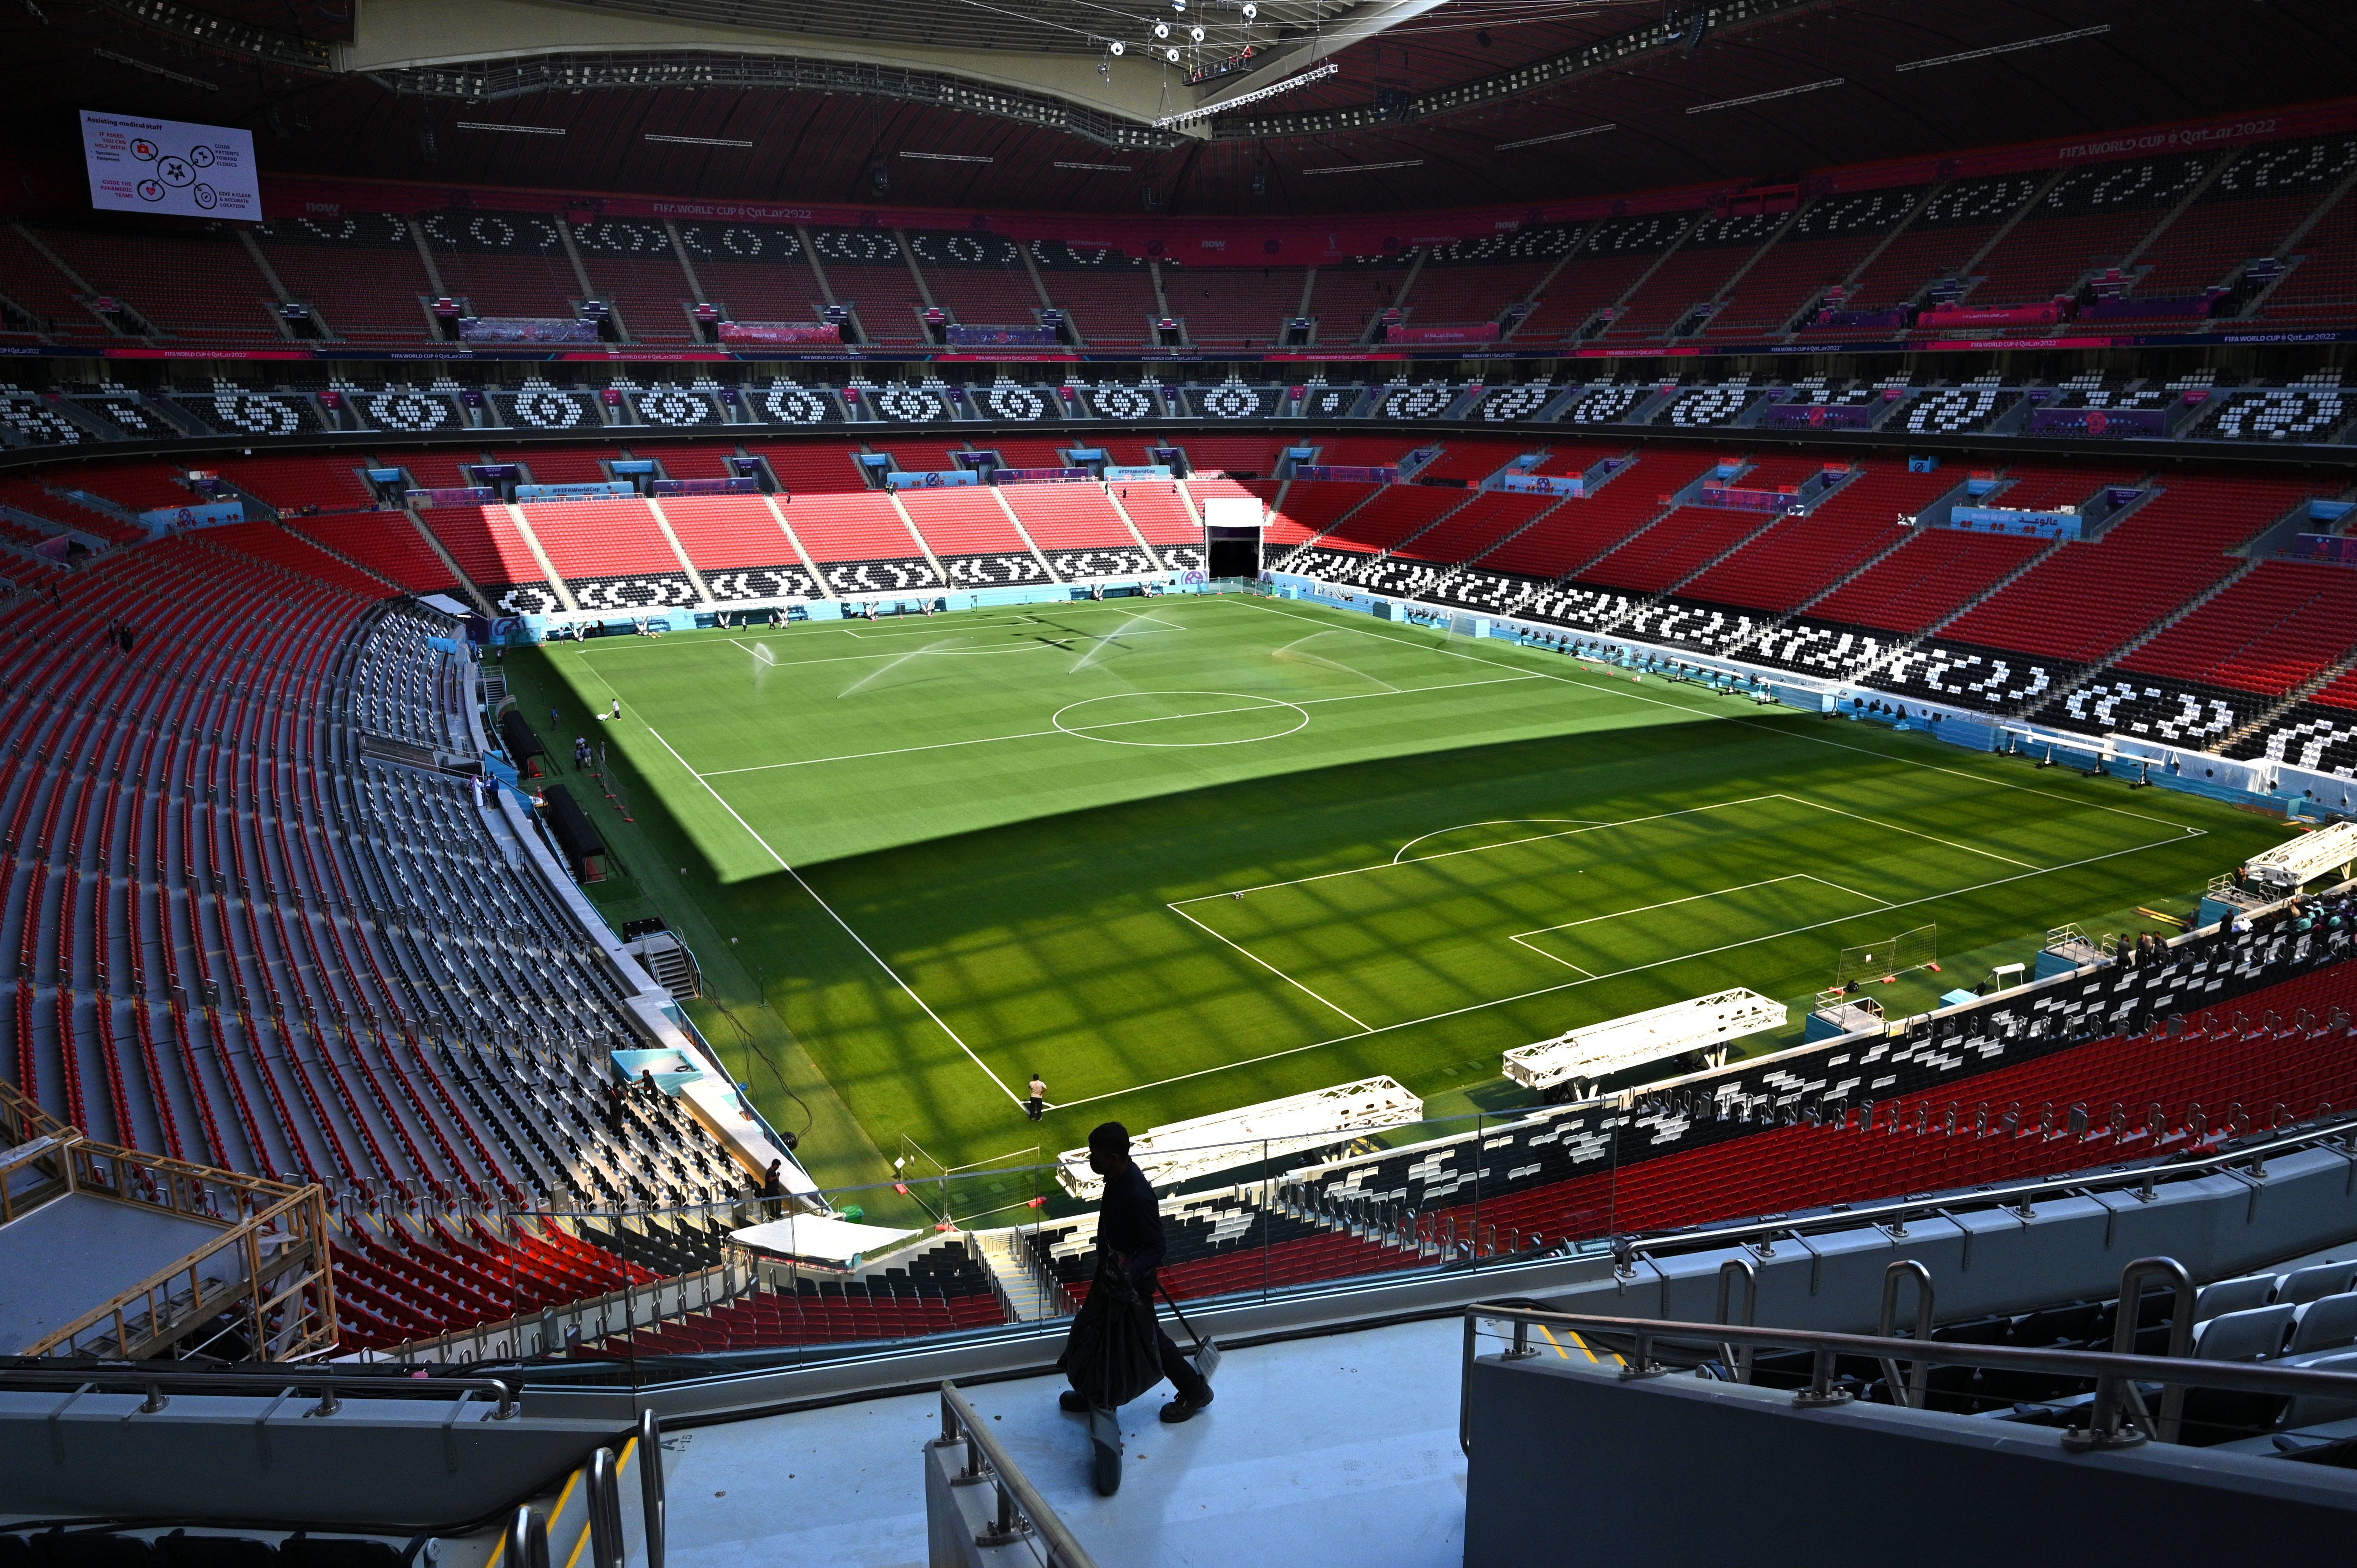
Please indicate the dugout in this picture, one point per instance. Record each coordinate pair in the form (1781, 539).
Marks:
(523, 747)
(576, 835)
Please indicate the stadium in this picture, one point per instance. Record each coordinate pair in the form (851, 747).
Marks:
(1615, 741)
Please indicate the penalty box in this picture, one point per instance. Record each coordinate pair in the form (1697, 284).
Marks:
(1477, 914)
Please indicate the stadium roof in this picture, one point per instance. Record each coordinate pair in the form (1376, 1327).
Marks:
(1021, 103)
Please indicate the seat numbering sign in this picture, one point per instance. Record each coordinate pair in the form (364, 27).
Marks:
(139, 164)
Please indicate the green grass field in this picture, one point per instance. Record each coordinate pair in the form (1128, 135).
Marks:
(1184, 854)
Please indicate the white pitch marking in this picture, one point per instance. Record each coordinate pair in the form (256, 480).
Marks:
(1266, 965)
(1498, 822)
(1895, 828)
(1634, 969)
(1042, 733)
(787, 866)
(1673, 903)
(1615, 691)
(1486, 848)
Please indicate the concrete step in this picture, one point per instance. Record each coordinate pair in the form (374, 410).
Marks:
(1026, 1302)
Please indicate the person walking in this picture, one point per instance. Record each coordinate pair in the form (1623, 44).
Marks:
(1129, 1235)
(1035, 1106)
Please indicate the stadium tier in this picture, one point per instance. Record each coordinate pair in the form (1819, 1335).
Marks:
(2186, 242)
(789, 726)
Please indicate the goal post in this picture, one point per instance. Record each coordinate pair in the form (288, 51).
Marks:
(1889, 958)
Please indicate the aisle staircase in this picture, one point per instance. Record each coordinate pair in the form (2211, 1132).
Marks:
(1018, 1284)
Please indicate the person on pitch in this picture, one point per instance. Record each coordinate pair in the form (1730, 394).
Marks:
(1038, 1104)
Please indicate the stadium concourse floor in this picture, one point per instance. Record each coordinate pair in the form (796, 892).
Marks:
(1185, 854)
(1340, 1449)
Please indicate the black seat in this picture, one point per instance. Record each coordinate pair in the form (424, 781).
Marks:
(1974, 1331)
(2056, 1325)
(56, 1549)
(181, 1550)
(334, 1552)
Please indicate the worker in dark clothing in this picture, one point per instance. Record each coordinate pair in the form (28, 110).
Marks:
(1129, 1229)
(772, 1189)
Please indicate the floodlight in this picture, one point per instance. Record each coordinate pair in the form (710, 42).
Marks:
(1115, 47)
(1171, 55)
(1161, 30)
(1196, 34)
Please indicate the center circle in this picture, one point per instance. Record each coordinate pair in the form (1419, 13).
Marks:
(1180, 718)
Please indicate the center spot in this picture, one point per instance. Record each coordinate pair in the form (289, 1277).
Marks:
(1180, 718)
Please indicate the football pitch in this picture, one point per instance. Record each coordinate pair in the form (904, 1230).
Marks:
(1183, 855)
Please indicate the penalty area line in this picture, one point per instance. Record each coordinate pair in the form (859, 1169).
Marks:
(1266, 965)
(1615, 974)
(787, 866)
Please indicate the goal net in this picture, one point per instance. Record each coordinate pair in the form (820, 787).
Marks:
(1917, 949)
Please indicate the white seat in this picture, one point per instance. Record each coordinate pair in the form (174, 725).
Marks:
(2316, 1282)
(2234, 1295)
(2255, 1334)
(2328, 1323)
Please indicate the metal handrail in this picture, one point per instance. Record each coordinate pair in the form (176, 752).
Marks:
(524, 1544)
(1917, 1385)
(605, 1509)
(652, 1502)
(1739, 1363)
(2125, 1321)
(2243, 1376)
(1020, 1506)
(284, 1377)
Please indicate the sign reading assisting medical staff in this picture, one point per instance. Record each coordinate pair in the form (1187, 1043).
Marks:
(167, 166)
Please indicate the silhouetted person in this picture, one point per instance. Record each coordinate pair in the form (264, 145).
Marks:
(1129, 1232)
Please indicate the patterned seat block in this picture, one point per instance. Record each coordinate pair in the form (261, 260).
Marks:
(1501, 592)
(1407, 579)
(993, 570)
(761, 583)
(1583, 609)
(2310, 735)
(1723, 629)
(1080, 565)
(2155, 707)
(907, 575)
(1329, 565)
(1991, 679)
(30, 422)
(1827, 648)
(523, 599)
(633, 591)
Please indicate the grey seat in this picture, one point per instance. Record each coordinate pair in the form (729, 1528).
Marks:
(2327, 1323)
(2255, 1333)
(2309, 1410)
(2234, 1295)
(2316, 1282)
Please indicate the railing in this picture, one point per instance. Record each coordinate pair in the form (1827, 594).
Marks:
(284, 1380)
(271, 1254)
(546, 1330)
(2117, 1418)
(1021, 1509)
(524, 1543)
(1422, 1245)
